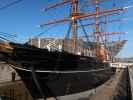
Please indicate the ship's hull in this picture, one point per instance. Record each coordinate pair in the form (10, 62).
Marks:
(59, 84)
(47, 74)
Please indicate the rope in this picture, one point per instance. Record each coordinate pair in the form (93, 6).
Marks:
(10, 4)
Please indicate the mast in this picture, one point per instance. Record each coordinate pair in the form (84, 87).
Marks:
(77, 15)
(97, 29)
(74, 24)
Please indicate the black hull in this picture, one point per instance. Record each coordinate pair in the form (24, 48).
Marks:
(60, 84)
(49, 74)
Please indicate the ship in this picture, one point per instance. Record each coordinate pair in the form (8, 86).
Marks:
(55, 73)
(52, 73)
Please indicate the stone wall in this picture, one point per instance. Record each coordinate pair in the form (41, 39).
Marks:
(6, 73)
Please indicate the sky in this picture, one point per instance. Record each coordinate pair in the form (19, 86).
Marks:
(24, 18)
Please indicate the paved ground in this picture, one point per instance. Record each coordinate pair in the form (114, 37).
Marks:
(115, 89)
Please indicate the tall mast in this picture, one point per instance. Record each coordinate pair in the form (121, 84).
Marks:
(97, 33)
(74, 24)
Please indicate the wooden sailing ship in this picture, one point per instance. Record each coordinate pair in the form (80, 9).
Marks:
(53, 73)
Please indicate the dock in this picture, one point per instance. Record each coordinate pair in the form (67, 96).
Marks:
(130, 69)
(14, 91)
(119, 87)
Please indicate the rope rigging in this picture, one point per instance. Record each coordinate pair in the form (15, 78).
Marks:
(10, 4)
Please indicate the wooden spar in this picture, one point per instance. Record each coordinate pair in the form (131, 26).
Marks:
(6, 48)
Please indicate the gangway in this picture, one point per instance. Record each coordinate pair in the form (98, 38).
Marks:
(120, 64)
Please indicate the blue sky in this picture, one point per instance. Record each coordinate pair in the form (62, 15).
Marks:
(24, 18)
